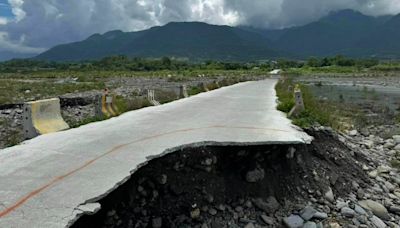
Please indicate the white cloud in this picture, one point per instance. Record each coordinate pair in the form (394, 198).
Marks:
(16, 6)
(3, 20)
(45, 23)
(16, 46)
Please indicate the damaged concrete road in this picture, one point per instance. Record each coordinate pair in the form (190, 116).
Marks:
(53, 179)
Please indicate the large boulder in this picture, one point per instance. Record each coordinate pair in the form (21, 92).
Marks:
(376, 208)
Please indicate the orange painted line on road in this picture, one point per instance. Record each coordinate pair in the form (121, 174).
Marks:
(35, 192)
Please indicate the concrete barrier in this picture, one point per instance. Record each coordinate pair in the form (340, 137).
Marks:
(299, 103)
(42, 117)
(183, 92)
(106, 106)
(151, 97)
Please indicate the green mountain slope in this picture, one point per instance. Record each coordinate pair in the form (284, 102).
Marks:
(344, 32)
(334, 34)
(193, 40)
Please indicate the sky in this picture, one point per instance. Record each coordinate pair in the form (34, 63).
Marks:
(29, 27)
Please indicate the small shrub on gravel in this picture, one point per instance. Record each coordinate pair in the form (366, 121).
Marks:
(195, 90)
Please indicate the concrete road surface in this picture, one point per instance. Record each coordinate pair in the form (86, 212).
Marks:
(51, 180)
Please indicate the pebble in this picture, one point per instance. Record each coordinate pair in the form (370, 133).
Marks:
(377, 222)
(269, 206)
(293, 221)
(268, 220)
(329, 195)
(310, 225)
(347, 212)
(359, 210)
(307, 213)
(373, 174)
(320, 215)
(376, 208)
(249, 225)
(212, 211)
(156, 222)
(389, 186)
(341, 204)
(195, 214)
(255, 175)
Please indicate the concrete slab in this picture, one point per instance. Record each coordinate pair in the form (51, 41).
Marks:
(50, 180)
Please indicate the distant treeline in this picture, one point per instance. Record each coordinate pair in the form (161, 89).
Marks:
(338, 60)
(119, 63)
(123, 63)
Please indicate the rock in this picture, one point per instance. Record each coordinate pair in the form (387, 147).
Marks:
(394, 209)
(347, 212)
(307, 213)
(329, 195)
(376, 208)
(255, 175)
(293, 221)
(396, 179)
(212, 211)
(388, 145)
(397, 148)
(269, 206)
(268, 220)
(163, 179)
(396, 139)
(249, 225)
(341, 204)
(195, 214)
(239, 209)
(389, 186)
(384, 169)
(360, 193)
(320, 215)
(334, 225)
(221, 207)
(397, 193)
(359, 210)
(377, 222)
(369, 143)
(353, 133)
(310, 225)
(111, 213)
(156, 222)
(373, 174)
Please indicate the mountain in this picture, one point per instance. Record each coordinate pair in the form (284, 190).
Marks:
(337, 33)
(193, 40)
(345, 32)
(383, 42)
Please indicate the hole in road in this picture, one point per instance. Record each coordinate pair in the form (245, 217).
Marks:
(223, 186)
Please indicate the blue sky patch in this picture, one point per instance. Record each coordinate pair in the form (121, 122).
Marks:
(5, 9)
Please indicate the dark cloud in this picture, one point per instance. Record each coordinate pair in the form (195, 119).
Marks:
(39, 25)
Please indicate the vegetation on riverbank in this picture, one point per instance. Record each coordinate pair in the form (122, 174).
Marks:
(317, 112)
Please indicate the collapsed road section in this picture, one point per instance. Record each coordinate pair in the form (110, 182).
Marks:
(230, 186)
(52, 180)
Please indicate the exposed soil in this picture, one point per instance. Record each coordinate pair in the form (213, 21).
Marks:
(230, 186)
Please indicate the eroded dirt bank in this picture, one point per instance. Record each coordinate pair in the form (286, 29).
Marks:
(233, 186)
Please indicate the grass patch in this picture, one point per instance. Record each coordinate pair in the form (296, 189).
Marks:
(16, 91)
(195, 90)
(326, 113)
(126, 105)
(87, 121)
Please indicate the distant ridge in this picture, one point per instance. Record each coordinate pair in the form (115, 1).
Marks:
(193, 40)
(345, 32)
